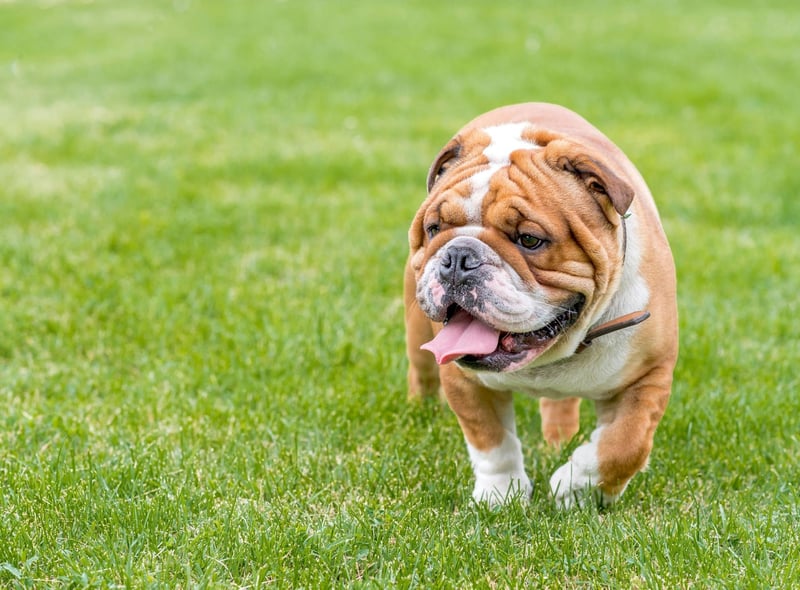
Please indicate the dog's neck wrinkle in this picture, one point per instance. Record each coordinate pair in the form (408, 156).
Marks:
(630, 289)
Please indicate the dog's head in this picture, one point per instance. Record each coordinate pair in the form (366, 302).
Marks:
(518, 244)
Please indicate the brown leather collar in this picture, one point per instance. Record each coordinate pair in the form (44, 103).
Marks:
(626, 321)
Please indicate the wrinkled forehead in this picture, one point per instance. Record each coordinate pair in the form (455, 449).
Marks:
(498, 142)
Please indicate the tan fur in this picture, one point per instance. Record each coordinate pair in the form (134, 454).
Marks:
(474, 406)
(586, 225)
(423, 374)
(560, 419)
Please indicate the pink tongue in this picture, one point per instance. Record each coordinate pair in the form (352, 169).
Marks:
(462, 335)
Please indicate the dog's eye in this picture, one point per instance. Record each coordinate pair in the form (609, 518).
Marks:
(530, 242)
(432, 230)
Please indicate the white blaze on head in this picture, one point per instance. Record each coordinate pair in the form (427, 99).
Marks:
(505, 139)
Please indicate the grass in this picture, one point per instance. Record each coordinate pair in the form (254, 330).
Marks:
(203, 215)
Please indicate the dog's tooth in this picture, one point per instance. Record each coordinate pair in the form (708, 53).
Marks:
(507, 342)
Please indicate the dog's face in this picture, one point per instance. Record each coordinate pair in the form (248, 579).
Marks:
(518, 245)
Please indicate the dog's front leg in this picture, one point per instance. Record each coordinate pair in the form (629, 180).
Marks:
(487, 419)
(423, 373)
(620, 445)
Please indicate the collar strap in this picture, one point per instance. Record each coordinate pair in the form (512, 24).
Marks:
(626, 321)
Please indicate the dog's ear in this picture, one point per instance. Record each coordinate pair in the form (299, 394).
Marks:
(416, 233)
(594, 169)
(449, 153)
(440, 164)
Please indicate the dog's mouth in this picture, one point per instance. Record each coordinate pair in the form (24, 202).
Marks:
(474, 344)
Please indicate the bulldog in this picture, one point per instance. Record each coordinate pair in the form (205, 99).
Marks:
(538, 265)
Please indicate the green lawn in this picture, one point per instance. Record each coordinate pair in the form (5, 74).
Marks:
(203, 215)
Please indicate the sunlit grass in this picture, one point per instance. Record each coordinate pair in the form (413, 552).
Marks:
(203, 215)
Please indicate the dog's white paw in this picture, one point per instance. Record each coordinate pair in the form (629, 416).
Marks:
(574, 483)
(499, 473)
(501, 489)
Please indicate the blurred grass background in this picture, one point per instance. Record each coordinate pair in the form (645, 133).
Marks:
(203, 214)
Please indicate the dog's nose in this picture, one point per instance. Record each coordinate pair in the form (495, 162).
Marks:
(458, 264)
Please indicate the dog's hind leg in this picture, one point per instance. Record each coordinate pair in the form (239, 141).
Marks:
(560, 419)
